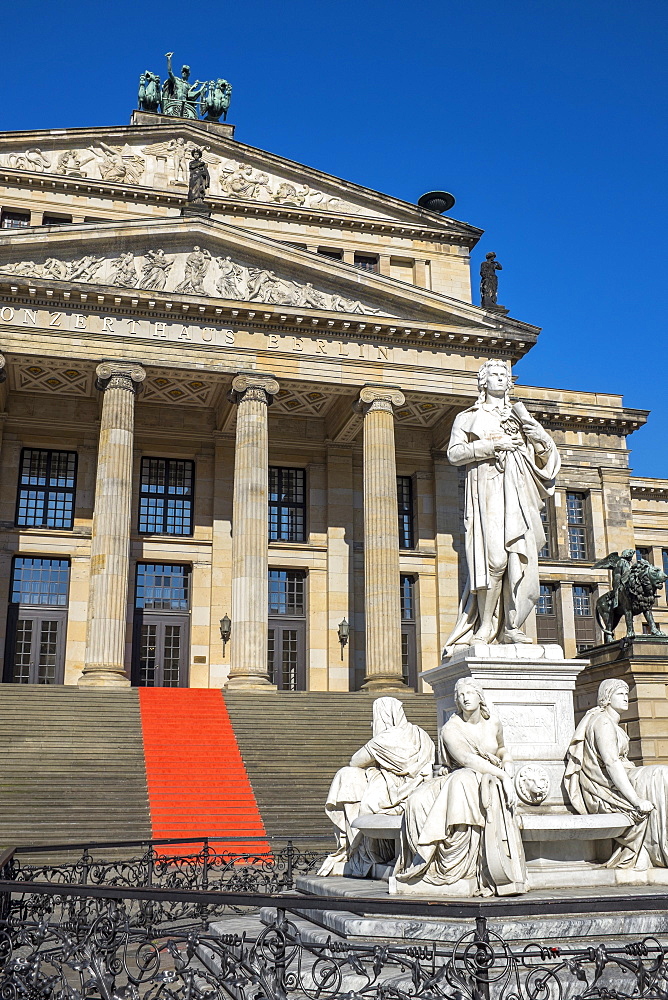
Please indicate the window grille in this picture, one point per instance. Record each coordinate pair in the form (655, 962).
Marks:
(287, 505)
(47, 481)
(286, 592)
(162, 587)
(577, 525)
(41, 582)
(547, 622)
(14, 220)
(405, 504)
(166, 496)
(583, 610)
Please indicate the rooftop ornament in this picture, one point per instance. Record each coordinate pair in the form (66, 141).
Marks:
(437, 201)
(178, 97)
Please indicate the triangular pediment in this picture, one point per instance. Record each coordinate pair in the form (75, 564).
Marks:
(157, 157)
(211, 260)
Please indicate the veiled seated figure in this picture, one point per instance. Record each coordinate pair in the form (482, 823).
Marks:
(381, 776)
(600, 778)
(459, 830)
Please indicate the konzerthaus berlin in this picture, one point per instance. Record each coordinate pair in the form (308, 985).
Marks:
(242, 417)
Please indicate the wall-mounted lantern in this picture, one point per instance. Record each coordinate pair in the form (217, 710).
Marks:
(344, 634)
(225, 630)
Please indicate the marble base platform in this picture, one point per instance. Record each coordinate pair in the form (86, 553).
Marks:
(564, 916)
(530, 687)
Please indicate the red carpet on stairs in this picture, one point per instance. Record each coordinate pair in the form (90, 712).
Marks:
(197, 782)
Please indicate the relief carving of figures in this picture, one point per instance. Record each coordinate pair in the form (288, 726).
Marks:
(85, 268)
(71, 162)
(600, 778)
(511, 463)
(155, 269)
(118, 164)
(54, 269)
(197, 265)
(124, 272)
(32, 159)
(242, 181)
(460, 829)
(233, 280)
(379, 779)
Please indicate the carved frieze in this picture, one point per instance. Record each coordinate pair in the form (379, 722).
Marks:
(165, 165)
(196, 273)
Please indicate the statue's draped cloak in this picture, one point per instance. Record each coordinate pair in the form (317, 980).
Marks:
(403, 757)
(591, 790)
(514, 485)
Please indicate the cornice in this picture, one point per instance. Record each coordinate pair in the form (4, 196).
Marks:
(559, 416)
(649, 489)
(236, 208)
(440, 227)
(137, 303)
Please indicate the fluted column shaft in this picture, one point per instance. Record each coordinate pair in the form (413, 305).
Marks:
(110, 544)
(382, 609)
(250, 532)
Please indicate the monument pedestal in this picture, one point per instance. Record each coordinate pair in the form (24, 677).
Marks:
(643, 663)
(530, 688)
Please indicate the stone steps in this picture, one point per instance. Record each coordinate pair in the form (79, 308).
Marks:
(292, 744)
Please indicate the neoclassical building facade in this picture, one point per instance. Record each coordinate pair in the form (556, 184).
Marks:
(224, 435)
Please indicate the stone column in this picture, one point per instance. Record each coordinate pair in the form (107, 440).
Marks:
(252, 393)
(382, 611)
(110, 543)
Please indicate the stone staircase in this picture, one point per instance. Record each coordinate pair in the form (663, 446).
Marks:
(292, 743)
(71, 766)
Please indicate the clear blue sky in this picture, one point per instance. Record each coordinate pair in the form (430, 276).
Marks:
(546, 119)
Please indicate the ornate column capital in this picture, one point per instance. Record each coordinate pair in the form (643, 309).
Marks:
(119, 375)
(253, 385)
(379, 397)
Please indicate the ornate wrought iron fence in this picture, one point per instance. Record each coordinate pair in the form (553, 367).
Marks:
(113, 958)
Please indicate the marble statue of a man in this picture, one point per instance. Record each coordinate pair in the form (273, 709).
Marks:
(511, 464)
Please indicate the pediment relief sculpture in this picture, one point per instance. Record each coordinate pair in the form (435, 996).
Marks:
(165, 164)
(194, 273)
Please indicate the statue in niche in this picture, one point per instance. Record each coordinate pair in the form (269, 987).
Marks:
(124, 271)
(634, 589)
(155, 269)
(511, 464)
(461, 827)
(489, 282)
(197, 265)
(381, 776)
(216, 100)
(199, 178)
(149, 94)
(600, 778)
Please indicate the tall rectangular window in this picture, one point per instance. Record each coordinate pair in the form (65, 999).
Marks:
(405, 502)
(577, 525)
(166, 496)
(286, 648)
(585, 624)
(37, 621)
(47, 481)
(547, 624)
(408, 629)
(546, 518)
(161, 629)
(14, 220)
(287, 505)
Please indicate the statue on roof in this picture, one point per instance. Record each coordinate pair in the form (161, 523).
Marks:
(489, 283)
(181, 98)
(199, 178)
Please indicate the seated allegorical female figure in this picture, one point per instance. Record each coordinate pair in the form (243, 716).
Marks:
(381, 776)
(461, 827)
(600, 778)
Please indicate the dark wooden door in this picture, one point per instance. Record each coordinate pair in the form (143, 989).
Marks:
(286, 654)
(160, 650)
(35, 649)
